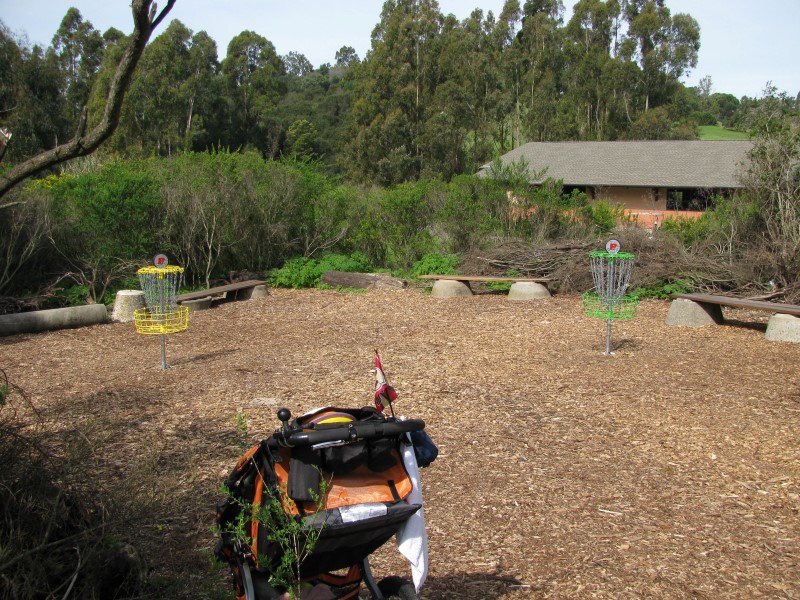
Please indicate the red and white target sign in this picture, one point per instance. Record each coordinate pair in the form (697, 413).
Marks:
(612, 246)
(160, 260)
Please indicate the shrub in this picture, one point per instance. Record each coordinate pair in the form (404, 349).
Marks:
(304, 272)
(435, 264)
(662, 290)
(503, 286)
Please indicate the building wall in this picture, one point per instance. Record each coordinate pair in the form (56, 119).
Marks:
(633, 198)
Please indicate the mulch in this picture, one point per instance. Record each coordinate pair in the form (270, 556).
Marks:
(669, 469)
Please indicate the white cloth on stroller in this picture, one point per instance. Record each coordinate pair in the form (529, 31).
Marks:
(412, 539)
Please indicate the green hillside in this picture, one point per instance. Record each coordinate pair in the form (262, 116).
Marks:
(715, 132)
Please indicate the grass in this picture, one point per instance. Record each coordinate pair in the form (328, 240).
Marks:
(715, 132)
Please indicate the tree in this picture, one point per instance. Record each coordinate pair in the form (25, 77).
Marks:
(145, 18)
(31, 106)
(301, 139)
(346, 56)
(78, 50)
(253, 76)
(666, 47)
(394, 86)
(297, 64)
(772, 181)
(154, 114)
(537, 49)
(587, 51)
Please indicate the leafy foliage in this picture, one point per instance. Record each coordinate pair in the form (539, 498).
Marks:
(661, 291)
(303, 272)
(435, 264)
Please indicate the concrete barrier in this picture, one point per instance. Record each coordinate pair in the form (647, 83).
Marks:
(527, 290)
(783, 328)
(445, 288)
(259, 291)
(55, 318)
(693, 314)
(197, 304)
(125, 303)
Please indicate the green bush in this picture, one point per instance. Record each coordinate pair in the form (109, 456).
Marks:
(662, 290)
(304, 272)
(503, 286)
(602, 216)
(435, 264)
(475, 210)
(704, 118)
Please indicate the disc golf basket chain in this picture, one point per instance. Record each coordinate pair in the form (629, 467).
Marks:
(161, 315)
(611, 274)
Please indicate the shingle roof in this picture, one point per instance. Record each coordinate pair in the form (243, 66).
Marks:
(673, 164)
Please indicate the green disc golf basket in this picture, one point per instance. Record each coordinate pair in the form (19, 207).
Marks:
(611, 273)
(161, 315)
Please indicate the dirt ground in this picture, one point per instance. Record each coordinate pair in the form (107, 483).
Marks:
(669, 469)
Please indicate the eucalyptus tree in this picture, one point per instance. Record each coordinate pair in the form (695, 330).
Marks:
(588, 85)
(154, 116)
(446, 117)
(199, 90)
(253, 74)
(479, 81)
(78, 51)
(536, 61)
(297, 64)
(146, 17)
(31, 105)
(346, 56)
(500, 35)
(664, 46)
(393, 87)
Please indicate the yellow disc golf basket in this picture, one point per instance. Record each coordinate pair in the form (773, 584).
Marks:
(161, 315)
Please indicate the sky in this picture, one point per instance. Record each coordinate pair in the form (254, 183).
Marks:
(744, 44)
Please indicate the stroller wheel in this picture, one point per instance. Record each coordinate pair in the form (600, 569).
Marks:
(397, 587)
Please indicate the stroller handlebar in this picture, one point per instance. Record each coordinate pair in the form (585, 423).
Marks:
(346, 432)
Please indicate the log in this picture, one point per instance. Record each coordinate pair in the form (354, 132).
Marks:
(54, 318)
(368, 281)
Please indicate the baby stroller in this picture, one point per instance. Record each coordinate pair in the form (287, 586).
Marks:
(339, 476)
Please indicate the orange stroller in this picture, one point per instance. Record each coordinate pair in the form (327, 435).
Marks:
(339, 475)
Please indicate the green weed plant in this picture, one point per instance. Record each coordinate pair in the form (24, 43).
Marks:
(289, 532)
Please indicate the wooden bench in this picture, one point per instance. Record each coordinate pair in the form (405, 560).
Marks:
(241, 290)
(466, 280)
(713, 299)
(705, 309)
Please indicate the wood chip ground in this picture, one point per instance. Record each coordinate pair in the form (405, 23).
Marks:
(670, 469)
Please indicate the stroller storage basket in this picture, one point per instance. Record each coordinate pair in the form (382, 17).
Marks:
(338, 472)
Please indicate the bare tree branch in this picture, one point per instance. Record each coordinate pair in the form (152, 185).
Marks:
(145, 21)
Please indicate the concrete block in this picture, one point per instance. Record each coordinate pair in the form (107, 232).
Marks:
(783, 328)
(694, 314)
(199, 304)
(259, 291)
(125, 303)
(446, 288)
(527, 290)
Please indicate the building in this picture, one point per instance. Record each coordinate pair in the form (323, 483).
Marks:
(651, 179)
